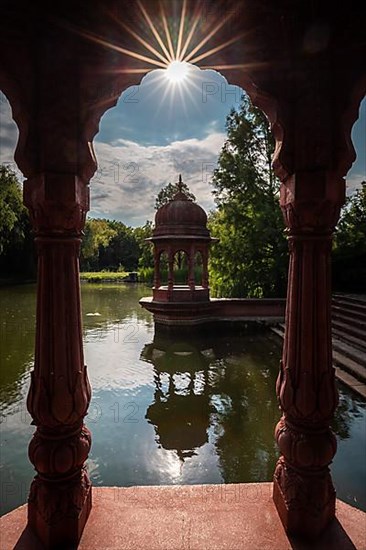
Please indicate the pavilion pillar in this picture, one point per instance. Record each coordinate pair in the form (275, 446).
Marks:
(205, 268)
(170, 269)
(303, 489)
(157, 279)
(191, 266)
(60, 495)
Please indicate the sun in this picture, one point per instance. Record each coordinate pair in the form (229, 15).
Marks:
(177, 71)
(172, 51)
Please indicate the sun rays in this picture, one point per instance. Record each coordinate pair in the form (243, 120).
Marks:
(171, 43)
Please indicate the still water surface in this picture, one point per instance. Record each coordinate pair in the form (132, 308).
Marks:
(163, 411)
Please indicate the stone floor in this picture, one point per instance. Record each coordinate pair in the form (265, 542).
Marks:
(196, 517)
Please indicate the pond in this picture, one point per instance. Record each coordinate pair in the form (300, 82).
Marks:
(163, 411)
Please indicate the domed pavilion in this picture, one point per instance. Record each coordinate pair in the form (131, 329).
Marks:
(180, 238)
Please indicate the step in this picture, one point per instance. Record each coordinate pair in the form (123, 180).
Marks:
(349, 330)
(356, 299)
(278, 331)
(351, 382)
(352, 340)
(349, 351)
(351, 321)
(358, 344)
(339, 344)
(342, 362)
(349, 305)
(339, 310)
(347, 364)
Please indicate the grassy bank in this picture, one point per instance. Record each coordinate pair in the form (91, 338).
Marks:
(103, 276)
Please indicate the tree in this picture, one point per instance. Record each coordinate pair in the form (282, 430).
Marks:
(12, 210)
(123, 250)
(349, 246)
(350, 237)
(97, 236)
(17, 258)
(251, 257)
(167, 193)
(146, 259)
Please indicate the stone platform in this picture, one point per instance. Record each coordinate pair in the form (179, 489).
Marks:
(194, 517)
(213, 312)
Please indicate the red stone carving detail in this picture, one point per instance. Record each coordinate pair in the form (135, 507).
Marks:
(302, 495)
(57, 203)
(53, 456)
(303, 490)
(69, 502)
(59, 395)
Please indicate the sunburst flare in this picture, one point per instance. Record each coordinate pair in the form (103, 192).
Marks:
(167, 50)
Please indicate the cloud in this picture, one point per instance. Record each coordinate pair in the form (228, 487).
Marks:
(155, 113)
(130, 175)
(8, 133)
(353, 182)
(143, 146)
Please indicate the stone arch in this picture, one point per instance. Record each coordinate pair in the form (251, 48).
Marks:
(57, 105)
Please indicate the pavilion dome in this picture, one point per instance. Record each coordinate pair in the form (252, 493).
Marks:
(181, 216)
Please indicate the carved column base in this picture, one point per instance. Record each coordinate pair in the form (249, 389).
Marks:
(309, 504)
(57, 513)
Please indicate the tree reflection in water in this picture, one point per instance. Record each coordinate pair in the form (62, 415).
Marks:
(223, 386)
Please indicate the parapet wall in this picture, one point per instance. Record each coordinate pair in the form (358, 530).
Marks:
(219, 310)
(246, 308)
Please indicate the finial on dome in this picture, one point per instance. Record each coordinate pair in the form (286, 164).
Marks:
(180, 183)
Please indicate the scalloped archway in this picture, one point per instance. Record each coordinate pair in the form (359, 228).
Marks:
(62, 67)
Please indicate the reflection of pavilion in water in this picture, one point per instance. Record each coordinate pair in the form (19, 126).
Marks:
(181, 409)
(216, 390)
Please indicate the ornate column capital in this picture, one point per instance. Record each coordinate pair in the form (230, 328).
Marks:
(311, 202)
(57, 203)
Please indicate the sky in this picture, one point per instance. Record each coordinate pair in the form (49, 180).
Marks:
(157, 131)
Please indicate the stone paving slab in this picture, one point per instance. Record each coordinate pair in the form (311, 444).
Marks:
(194, 517)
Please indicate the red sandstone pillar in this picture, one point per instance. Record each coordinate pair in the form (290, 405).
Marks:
(303, 489)
(156, 268)
(205, 268)
(170, 269)
(60, 496)
(191, 281)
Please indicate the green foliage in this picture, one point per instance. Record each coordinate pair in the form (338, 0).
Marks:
(146, 275)
(350, 237)
(17, 259)
(100, 276)
(110, 245)
(123, 249)
(250, 259)
(12, 211)
(167, 193)
(146, 259)
(180, 275)
(97, 235)
(198, 275)
(349, 246)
